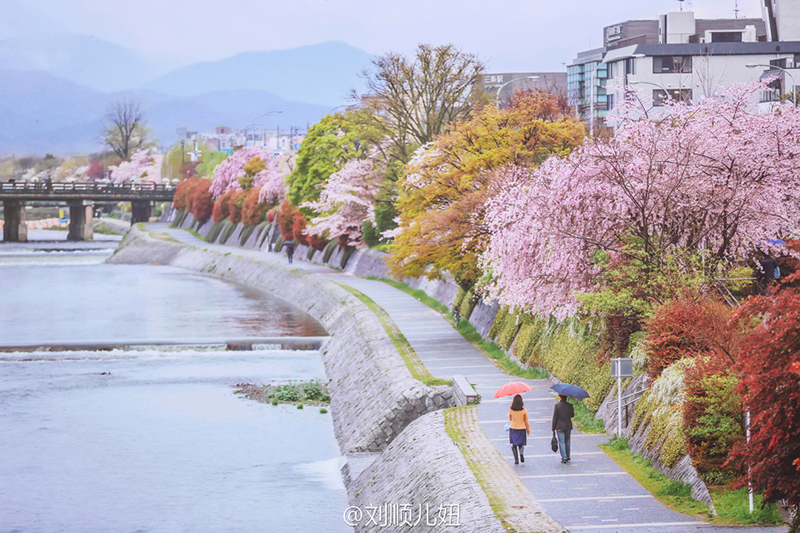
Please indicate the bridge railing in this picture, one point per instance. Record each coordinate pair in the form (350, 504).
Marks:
(71, 188)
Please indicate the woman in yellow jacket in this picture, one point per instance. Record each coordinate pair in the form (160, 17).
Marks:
(519, 428)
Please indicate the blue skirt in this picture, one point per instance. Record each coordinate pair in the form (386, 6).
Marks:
(518, 437)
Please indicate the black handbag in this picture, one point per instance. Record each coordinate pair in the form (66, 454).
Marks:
(554, 443)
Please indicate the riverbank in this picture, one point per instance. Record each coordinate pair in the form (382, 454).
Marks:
(386, 422)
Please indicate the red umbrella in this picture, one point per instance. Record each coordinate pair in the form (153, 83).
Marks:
(510, 389)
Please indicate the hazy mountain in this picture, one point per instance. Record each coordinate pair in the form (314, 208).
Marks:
(42, 113)
(321, 74)
(85, 60)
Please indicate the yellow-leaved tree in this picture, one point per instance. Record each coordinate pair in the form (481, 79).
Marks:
(447, 184)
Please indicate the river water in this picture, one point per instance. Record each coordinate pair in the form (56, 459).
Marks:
(153, 439)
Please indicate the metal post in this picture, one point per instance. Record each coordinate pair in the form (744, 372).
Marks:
(591, 102)
(747, 434)
(619, 399)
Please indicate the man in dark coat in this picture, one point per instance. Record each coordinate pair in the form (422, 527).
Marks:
(562, 425)
(765, 273)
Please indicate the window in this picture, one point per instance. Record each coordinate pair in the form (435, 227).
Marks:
(679, 95)
(630, 65)
(610, 101)
(668, 64)
(726, 37)
(780, 63)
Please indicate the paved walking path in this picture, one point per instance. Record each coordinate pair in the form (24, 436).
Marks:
(590, 493)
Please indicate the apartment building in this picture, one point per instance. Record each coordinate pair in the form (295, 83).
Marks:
(681, 57)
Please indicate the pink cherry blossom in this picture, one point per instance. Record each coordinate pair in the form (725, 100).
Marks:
(719, 176)
(270, 180)
(346, 201)
(142, 166)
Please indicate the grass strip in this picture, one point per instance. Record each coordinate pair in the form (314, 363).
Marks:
(468, 331)
(674, 494)
(732, 506)
(410, 357)
(585, 419)
(196, 234)
(462, 441)
(100, 228)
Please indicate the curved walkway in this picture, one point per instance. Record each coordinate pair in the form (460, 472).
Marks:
(591, 493)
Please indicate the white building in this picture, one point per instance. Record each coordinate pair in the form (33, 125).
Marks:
(685, 58)
(280, 141)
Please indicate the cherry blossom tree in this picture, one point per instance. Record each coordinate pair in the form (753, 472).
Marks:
(346, 201)
(142, 166)
(269, 178)
(711, 179)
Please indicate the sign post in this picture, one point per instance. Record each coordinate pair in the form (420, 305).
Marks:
(621, 367)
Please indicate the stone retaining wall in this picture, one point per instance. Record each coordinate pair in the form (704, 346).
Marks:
(424, 470)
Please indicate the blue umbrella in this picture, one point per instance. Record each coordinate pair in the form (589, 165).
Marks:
(565, 389)
(777, 242)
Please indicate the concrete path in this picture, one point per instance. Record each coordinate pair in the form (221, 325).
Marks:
(590, 493)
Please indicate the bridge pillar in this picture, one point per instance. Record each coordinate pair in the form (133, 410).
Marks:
(80, 220)
(15, 226)
(140, 211)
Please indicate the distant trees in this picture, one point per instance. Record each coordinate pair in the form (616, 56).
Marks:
(126, 131)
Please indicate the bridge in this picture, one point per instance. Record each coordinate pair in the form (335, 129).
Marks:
(80, 198)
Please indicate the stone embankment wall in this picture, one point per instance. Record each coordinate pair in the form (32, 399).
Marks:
(683, 470)
(424, 470)
(376, 405)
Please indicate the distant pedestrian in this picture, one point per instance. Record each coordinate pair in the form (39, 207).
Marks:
(562, 425)
(519, 429)
(456, 315)
(289, 250)
(766, 272)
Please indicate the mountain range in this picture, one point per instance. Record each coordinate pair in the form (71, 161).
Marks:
(54, 94)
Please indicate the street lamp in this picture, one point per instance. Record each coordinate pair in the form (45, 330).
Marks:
(500, 89)
(254, 123)
(786, 71)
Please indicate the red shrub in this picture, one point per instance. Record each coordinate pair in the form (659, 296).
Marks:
(235, 206)
(222, 207)
(286, 220)
(201, 200)
(687, 327)
(253, 211)
(316, 242)
(180, 200)
(773, 394)
(299, 227)
(271, 215)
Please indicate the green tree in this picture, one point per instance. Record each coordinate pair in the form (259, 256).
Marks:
(329, 145)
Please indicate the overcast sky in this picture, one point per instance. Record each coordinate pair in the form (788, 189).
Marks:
(511, 35)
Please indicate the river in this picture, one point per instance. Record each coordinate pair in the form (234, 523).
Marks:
(153, 439)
